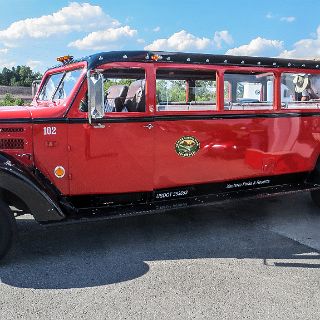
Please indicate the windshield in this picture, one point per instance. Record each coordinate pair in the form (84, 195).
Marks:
(59, 85)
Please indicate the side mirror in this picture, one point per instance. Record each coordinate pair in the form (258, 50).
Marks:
(95, 96)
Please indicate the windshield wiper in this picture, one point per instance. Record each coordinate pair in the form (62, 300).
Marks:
(55, 91)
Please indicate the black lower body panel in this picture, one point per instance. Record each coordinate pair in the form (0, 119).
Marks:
(120, 205)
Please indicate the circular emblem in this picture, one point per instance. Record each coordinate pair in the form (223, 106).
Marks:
(187, 146)
(59, 172)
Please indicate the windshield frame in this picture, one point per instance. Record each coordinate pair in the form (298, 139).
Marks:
(63, 69)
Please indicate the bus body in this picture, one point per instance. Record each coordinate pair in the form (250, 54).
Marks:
(123, 133)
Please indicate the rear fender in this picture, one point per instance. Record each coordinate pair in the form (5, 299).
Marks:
(40, 198)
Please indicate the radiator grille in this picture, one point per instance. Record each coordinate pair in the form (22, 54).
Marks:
(9, 130)
(11, 144)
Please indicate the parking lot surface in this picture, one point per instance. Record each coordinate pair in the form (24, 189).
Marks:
(254, 259)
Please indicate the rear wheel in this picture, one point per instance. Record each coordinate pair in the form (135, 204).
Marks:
(7, 229)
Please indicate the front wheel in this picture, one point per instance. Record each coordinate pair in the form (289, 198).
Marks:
(7, 229)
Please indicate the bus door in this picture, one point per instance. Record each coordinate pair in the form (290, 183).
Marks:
(115, 156)
(195, 144)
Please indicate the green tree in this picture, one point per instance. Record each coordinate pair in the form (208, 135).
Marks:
(9, 100)
(171, 90)
(6, 76)
(205, 90)
(110, 82)
(18, 76)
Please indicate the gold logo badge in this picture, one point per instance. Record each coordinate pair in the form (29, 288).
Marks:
(187, 146)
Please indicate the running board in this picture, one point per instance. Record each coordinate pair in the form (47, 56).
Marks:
(102, 213)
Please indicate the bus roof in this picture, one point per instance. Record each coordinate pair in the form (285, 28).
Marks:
(98, 59)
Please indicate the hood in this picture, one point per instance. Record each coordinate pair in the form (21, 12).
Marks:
(14, 112)
(31, 112)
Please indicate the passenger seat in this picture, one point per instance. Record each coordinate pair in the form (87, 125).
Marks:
(136, 100)
(114, 100)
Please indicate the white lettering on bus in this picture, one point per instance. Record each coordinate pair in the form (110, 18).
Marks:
(248, 184)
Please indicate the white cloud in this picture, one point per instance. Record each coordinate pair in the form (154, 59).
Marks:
(75, 17)
(141, 41)
(4, 63)
(4, 50)
(185, 41)
(35, 64)
(305, 48)
(288, 19)
(156, 29)
(180, 41)
(258, 47)
(100, 40)
(222, 36)
(270, 15)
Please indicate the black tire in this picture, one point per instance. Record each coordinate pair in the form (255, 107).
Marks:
(7, 229)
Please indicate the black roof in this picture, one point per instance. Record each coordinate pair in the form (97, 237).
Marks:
(196, 58)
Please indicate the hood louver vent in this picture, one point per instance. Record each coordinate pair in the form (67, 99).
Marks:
(11, 143)
(9, 130)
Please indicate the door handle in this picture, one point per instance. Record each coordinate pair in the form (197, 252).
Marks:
(99, 126)
(148, 126)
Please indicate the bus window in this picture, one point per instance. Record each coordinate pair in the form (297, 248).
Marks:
(248, 91)
(186, 90)
(300, 91)
(124, 90)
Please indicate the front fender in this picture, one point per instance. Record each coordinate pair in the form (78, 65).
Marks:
(41, 200)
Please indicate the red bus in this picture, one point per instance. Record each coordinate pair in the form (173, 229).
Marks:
(125, 133)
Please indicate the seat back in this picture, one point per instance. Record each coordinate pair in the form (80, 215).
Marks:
(115, 98)
(136, 100)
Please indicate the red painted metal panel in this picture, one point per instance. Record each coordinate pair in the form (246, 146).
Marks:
(234, 149)
(116, 158)
(50, 151)
(14, 112)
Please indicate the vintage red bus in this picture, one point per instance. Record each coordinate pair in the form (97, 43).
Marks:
(124, 133)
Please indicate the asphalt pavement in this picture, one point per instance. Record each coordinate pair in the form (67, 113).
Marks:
(253, 259)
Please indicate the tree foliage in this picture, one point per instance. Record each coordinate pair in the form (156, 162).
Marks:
(18, 76)
(110, 82)
(171, 90)
(9, 100)
(175, 90)
(205, 90)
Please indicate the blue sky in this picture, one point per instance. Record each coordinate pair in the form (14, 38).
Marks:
(35, 32)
